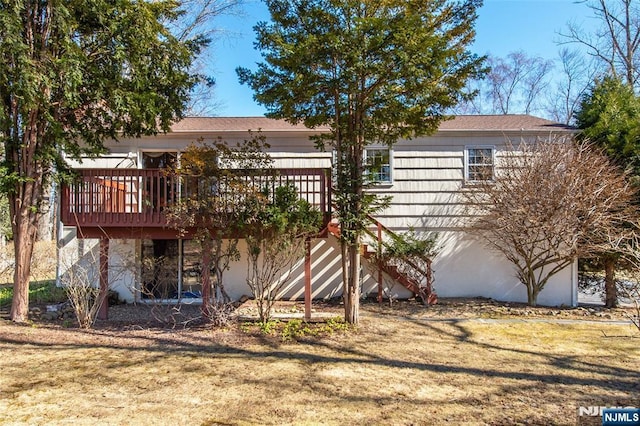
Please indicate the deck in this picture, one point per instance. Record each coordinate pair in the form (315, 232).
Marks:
(132, 203)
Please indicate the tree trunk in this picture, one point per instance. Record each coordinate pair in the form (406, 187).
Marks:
(532, 295)
(206, 277)
(103, 294)
(352, 290)
(24, 206)
(23, 241)
(610, 291)
(220, 262)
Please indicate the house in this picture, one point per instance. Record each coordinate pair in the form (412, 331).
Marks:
(117, 208)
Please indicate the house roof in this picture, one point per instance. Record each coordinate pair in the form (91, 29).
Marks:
(233, 124)
(505, 123)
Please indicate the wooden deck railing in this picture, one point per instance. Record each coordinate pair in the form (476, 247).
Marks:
(140, 197)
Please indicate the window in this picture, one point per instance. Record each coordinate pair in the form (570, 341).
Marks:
(378, 164)
(479, 164)
(158, 160)
(160, 191)
(170, 269)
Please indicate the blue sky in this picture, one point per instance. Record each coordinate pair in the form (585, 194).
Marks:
(503, 26)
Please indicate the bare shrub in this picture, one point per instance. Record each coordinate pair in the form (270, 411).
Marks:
(269, 268)
(629, 290)
(221, 314)
(388, 286)
(629, 287)
(158, 288)
(43, 262)
(6, 263)
(81, 280)
(278, 225)
(157, 282)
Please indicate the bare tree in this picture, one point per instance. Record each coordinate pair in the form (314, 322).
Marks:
(199, 19)
(512, 86)
(631, 291)
(217, 180)
(616, 42)
(577, 74)
(515, 82)
(630, 288)
(627, 252)
(613, 249)
(474, 103)
(545, 205)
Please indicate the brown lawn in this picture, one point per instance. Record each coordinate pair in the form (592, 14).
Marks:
(398, 367)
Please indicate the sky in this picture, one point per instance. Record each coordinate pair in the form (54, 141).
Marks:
(503, 26)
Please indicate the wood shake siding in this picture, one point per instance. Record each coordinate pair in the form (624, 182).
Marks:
(428, 173)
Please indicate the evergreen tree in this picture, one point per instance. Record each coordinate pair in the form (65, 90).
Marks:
(74, 73)
(373, 72)
(609, 116)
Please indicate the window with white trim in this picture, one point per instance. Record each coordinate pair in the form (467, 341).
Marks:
(377, 163)
(479, 163)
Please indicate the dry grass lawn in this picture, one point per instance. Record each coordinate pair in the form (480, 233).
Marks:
(397, 368)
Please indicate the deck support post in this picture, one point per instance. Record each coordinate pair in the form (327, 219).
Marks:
(379, 253)
(103, 311)
(307, 279)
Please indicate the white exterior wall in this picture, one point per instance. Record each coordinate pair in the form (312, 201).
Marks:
(465, 267)
(84, 254)
(123, 269)
(79, 253)
(427, 175)
(325, 270)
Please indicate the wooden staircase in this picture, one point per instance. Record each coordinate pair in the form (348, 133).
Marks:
(401, 271)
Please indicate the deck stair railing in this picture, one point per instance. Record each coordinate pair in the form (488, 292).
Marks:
(415, 278)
